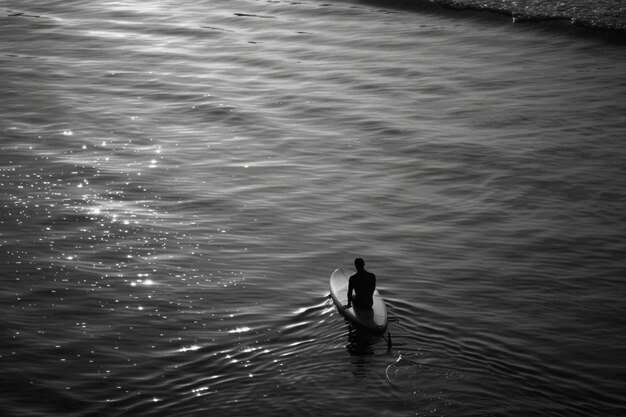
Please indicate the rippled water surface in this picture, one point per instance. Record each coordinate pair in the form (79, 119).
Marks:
(179, 179)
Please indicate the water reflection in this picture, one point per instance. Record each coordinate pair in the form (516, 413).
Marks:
(361, 342)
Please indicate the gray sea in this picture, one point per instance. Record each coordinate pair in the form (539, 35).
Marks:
(178, 179)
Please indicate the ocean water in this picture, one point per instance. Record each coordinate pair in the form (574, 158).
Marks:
(179, 179)
(594, 14)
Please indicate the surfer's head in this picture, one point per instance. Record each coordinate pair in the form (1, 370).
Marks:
(359, 264)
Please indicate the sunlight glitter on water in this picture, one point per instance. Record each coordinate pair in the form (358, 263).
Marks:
(186, 349)
(240, 330)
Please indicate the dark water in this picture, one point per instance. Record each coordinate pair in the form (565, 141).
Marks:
(179, 179)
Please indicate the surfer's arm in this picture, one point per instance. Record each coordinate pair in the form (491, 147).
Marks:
(349, 294)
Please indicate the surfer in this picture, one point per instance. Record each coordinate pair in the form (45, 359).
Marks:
(363, 283)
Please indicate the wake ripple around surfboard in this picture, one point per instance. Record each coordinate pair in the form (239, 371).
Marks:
(405, 371)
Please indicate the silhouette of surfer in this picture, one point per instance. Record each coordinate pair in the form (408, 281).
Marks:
(363, 284)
